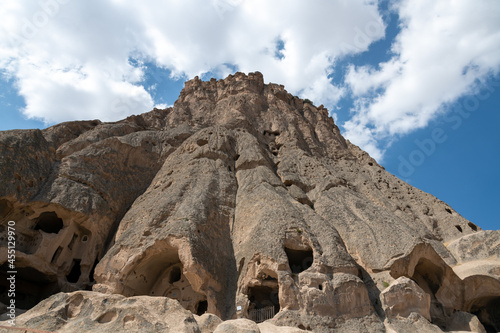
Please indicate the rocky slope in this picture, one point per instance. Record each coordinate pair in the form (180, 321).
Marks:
(240, 197)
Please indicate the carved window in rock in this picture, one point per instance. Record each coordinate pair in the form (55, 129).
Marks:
(49, 222)
(299, 260)
(75, 272)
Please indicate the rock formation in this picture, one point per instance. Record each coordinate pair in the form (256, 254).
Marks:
(240, 201)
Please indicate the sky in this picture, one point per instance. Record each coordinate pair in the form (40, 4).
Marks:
(415, 83)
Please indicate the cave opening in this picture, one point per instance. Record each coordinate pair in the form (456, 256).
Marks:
(201, 307)
(49, 222)
(472, 226)
(74, 275)
(175, 274)
(162, 275)
(487, 310)
(429, 277)
(31, 287)
(264, 302)
(430, 273)
(299, 260)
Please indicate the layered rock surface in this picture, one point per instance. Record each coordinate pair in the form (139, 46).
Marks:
(240, 200)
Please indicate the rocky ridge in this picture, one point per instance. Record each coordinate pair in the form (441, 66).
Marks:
(239, 198)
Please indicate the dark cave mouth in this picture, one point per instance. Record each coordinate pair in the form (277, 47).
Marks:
(49, 222)
(299, 260)
(487, 310)
(264, 302)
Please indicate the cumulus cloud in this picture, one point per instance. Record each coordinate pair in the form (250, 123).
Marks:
(82, 60)
(68, 63)
(445, 50)
(79, 60)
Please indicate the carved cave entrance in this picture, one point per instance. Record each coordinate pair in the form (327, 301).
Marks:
(487, 310)
(263, 296)
(429, 277)
(162, 275)
(264, 301)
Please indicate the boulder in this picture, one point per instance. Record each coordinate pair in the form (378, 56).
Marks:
(480, 245)
(238, 326)
(415, 323)
(463, 321)
(268, 327)
(87, 311)
(207, 322)
(404, 297)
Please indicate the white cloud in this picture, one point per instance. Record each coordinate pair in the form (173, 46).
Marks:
(71, 58)
(444, 48)
(68, 63)
(162, 106)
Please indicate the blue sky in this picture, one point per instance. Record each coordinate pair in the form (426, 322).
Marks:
(414, 82)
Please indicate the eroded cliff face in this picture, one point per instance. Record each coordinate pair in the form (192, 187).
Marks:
(241, 197)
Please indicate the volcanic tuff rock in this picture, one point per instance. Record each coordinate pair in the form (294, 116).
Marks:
(239, 200)
(404, 297)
